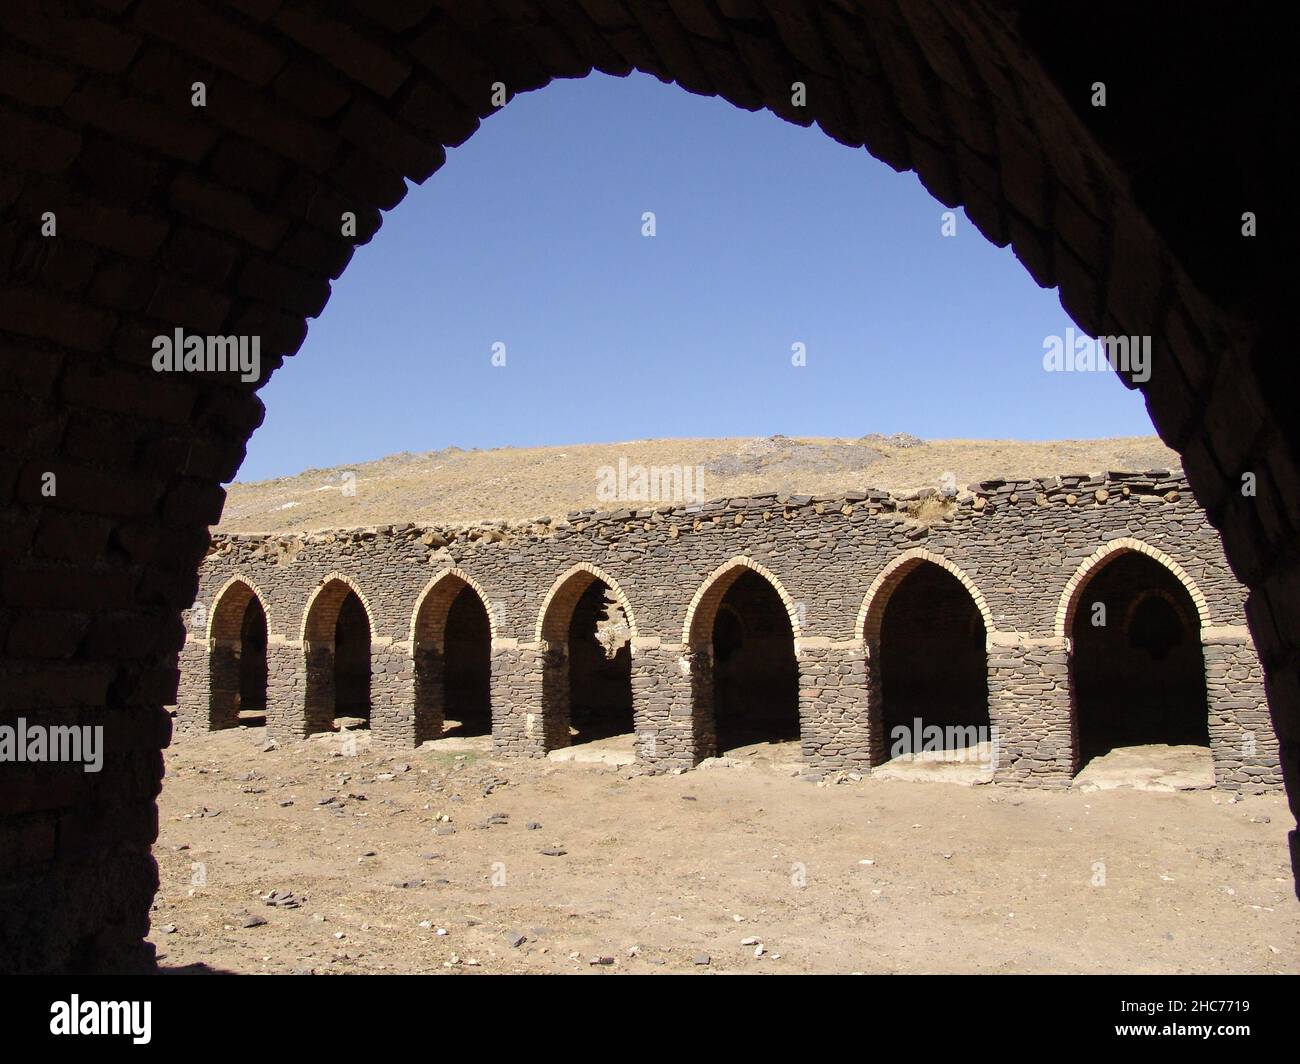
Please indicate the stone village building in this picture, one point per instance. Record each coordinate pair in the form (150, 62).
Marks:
(849, 615)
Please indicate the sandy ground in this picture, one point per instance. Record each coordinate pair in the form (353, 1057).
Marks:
(518, 484)
(654, 874)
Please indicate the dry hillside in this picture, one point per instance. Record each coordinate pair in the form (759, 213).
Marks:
(455, 486)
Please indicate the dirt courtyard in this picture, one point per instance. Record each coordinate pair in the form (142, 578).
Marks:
(443, 860)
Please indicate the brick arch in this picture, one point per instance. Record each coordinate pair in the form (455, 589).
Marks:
(228, 606)
(226, 219)
(697, 628)
(557, 608)
(1167, 597)
(1074, 587)
(429, 618)
(322, 609)
(872, 611)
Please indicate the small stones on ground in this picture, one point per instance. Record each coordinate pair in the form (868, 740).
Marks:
(751, 941)
(444, 829)
(168, 929)
(603, 959)
(251, 920)
(689, 798)
(284, 899)
(701, 960)
(553, 851)
(533, 825)
(516, 939)
(286, 803)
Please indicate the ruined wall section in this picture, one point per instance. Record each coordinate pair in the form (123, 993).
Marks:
(1017, 542)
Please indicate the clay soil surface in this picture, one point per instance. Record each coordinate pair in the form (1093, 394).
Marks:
(655, 873)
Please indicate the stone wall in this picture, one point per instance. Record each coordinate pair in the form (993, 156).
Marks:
(1024, 550)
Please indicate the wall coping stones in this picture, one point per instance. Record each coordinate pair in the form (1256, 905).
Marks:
(1154, 486)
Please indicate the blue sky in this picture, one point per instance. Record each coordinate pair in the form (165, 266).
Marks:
(767, 235)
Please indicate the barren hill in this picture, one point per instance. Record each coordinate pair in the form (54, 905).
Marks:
(455, 486)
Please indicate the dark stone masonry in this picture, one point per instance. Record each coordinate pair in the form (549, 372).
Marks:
(1007, 578)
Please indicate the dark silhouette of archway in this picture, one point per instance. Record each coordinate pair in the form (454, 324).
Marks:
(237, 666)
(933, 664)
(232, 219)
(1137, 670)
(755, 675)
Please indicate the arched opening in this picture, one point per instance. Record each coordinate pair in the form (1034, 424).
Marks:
(587, 668)
(453, 662)
(932, 699)
(336, 646)
(352, 662)
(1137, 670)
(237, 668)
(745, 676)
(252, 665)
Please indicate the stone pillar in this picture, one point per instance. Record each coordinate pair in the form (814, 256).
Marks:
(666, 733)
(517, 724)
(1029, 709)
(553, 716)
(874, 707)
(429, 692)
(1242, 742)
(834, 730)
(192, 698)
(392, 695)
(286, 687)
(223, 686)
(318, 688)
